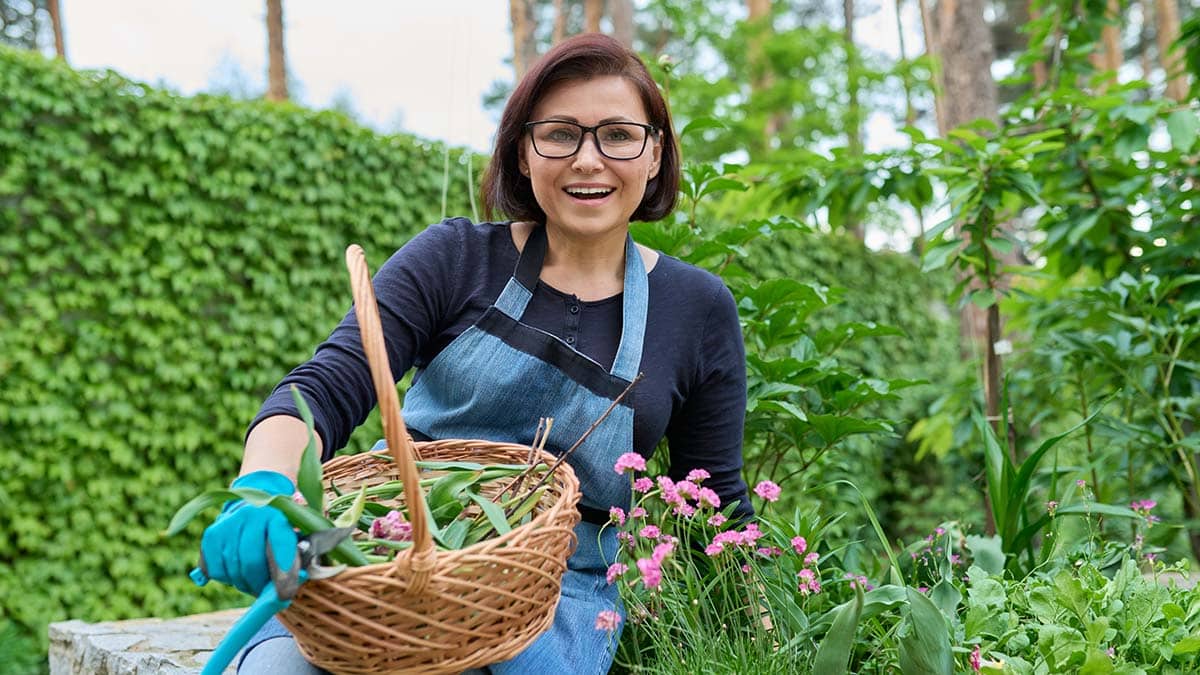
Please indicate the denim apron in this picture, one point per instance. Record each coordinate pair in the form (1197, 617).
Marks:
(494, 381)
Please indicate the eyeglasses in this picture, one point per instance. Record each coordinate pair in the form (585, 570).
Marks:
(555, 139)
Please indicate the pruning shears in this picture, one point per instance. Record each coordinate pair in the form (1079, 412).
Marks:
(277, 595)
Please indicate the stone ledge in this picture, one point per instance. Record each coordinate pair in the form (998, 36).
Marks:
(138, 646)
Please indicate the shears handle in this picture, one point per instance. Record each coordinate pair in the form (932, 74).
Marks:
(266, 606)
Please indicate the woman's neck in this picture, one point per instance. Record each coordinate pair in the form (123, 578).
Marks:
(591, 268)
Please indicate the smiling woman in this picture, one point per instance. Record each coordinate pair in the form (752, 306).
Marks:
(555, 313)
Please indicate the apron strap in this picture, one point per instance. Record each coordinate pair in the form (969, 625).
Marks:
(519, 289)
(633, 316)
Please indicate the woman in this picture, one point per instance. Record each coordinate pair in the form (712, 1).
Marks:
(551, 314)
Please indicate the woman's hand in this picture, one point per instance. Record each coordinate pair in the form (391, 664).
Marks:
(235, 546)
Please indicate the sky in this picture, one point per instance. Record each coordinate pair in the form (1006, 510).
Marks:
(423, 64)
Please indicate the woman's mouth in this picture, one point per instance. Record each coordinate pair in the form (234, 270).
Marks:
(589, 194)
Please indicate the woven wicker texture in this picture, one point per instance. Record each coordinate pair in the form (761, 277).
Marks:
(432, 611)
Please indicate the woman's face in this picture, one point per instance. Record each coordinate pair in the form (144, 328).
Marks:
(588, 194)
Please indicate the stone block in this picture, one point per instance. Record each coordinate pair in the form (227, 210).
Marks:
(139, 646)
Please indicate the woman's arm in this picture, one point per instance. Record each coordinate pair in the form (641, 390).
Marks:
(706, 433)
(275, 444)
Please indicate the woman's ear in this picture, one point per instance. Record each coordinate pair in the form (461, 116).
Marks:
(655, 159)
(522, 161)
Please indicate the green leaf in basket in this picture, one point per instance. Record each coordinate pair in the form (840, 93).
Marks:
(526, 506)
(308, 479)
(349, 517)
(494, 513)
(453, 536)
(447, 498)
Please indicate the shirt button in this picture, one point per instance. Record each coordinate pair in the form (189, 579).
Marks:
(574, 309)
(570, 339)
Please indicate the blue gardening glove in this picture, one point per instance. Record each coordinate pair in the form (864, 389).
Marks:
(235, 545)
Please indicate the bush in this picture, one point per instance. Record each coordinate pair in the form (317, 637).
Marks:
(166, 260)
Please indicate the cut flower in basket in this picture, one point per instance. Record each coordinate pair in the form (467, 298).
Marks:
(467, 502)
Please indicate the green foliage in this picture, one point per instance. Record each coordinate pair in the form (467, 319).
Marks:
(166, 261)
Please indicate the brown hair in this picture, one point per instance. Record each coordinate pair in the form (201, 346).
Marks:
(506, 190)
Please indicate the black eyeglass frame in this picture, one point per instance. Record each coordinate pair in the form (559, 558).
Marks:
(651, 130)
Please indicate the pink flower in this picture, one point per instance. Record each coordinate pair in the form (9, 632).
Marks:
(1081, 483)
(812, 558)
(976, 659)
(661, 552)
(1143, 506)
(615, 570)
(717, 520)
(608, 621)
(769, 551)
(808, 581)
(767, 490)
(939, 531)
(651, 572)
(630, 460)
(637, 512)
(800, 545)
(751, 534)
(392, 527)
(1112, 652)
(687, 489)
(299, 498)
(666, 485)
(746, 568)
(697, 475)
(627, 538)
(616, 515)
(709, 498)
(713, 549)
(643, 484)
(1051, 507)
(684, 510)
(650, 532)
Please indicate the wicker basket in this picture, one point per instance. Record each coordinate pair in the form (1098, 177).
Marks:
(432, 611)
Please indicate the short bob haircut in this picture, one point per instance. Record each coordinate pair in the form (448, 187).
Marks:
(583, 57)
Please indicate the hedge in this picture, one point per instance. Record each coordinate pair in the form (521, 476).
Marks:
(165, 261)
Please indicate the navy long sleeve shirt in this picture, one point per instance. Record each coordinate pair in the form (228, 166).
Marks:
(440, 283)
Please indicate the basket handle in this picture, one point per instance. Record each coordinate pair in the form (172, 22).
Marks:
(421, 560)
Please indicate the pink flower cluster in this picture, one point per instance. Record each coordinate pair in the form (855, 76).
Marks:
(1144, 507)
(651, 568)
(678, 494)
(392, 527)
(859, 581)
(767, 490)
(630, 461)
(747, 537)
(608, 621)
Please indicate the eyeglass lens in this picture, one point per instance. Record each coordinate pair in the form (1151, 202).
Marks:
(617, 140)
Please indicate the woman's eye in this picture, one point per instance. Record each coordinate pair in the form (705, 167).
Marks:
(561, 135)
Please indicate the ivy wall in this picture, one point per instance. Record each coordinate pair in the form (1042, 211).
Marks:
(164, 262)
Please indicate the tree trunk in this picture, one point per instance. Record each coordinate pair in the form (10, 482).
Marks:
(853, 110)
(761, 76)
(1110, 54)
(1039, 66)
(277, 89)
(939, 91)
(560, 23)
(56, 22)
(524, 46)
(1166, 14)
(962, 44)
(621, 12)
(964, 48)
(593, 10)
